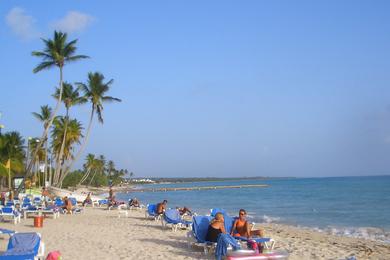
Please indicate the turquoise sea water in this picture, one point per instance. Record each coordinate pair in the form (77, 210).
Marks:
(352, 206)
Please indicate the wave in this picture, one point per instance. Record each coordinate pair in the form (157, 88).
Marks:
(370, 233)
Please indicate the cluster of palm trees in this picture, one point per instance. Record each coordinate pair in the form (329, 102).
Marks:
(62, 134)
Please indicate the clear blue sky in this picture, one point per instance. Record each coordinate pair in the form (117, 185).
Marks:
(216, 88)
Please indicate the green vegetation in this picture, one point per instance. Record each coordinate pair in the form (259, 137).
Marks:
(62, 135)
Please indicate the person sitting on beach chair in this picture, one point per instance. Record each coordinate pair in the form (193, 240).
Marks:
(216, 227)
(134, 203)
(242, 228)
(67, 205)
(184, 211)
(161, 207)
(88, 199)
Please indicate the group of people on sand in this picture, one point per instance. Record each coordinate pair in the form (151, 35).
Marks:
(240, 228)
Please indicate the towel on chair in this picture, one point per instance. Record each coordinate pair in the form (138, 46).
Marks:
(224, 240)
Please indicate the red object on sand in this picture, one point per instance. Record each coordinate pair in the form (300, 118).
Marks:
(38, 221)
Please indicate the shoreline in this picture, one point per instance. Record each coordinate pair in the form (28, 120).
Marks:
(100, 234)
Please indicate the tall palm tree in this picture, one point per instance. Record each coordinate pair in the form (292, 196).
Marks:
(57, 52)
(94, 91)
(110, 168)
(70, 97)
(44, 116)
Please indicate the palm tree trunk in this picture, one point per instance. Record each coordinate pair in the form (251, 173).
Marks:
(85, 176)
(58, 169)
(44, 135)
(93, 176)
(81, 148)
(45, 173)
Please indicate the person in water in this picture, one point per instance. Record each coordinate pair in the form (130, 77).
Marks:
(242, 228)
(216, 227)
(161, 207)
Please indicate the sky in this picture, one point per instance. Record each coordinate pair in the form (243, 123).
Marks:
(214, 88)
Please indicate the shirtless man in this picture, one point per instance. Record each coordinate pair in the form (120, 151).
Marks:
(241, 227)
(161, 207)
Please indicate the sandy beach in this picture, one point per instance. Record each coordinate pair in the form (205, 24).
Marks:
(100, 234)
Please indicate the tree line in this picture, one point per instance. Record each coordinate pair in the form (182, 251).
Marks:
(62, 134)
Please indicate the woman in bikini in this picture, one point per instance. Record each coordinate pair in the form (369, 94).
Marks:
(241, 227)
(216, 227)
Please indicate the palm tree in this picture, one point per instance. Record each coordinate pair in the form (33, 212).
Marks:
(57, 53)
(88, 166)
(11, 154)
(73, 130)
(44, 116)
(70, 97)
(110, 168)
(94, 91)
(99, 167)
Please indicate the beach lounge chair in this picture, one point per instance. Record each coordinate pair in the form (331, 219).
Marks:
(103, 203)
(24, 246)
(197, 237)
(10, 212)
(172, 217)
(6, 231)
(30, 210)
(151, 212)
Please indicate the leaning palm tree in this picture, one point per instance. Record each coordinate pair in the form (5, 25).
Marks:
(99, 167)
(44, 116)
(73, 128)
(70, 97)
(89, 165)
(57, 53)
(94, 91)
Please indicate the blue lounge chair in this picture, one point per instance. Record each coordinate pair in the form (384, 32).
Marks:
(10, 212)
(151, 211)
(6, 231)
(200, 225)
(172, 217)
(103, 202)
(24, 246)
(214, 211)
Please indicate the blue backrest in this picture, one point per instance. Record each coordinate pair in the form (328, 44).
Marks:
(23, 244)
(172, 216)
(152, 209)
(7, 210)
(216, 210)
(9, 203)
(73, 200)
(200, 226)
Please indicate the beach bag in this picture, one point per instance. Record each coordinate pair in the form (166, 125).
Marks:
(54, 255)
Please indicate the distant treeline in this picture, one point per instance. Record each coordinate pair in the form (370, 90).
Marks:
(200, 179)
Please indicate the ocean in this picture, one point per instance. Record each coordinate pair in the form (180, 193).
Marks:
(350, 206)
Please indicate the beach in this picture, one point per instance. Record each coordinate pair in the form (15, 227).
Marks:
(99, 234)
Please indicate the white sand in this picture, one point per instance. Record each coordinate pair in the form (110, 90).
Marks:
(99, 234)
